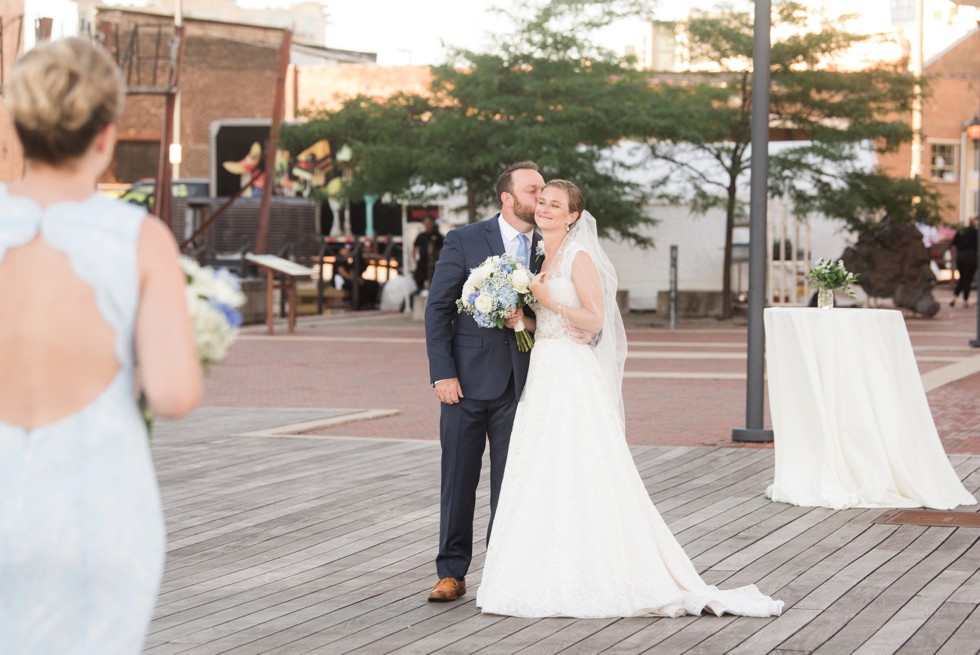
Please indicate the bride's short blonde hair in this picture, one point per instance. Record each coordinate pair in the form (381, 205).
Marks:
(576, 201)
(61, 94)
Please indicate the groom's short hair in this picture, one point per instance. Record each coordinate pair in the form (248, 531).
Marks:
(505, 183)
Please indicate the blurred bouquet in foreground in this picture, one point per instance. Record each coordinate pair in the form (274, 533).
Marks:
(214, 298)
(496, 289)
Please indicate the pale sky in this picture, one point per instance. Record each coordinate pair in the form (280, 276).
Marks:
(409, 32)
(406, 32)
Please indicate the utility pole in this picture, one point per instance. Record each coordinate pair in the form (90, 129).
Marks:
(174, 153)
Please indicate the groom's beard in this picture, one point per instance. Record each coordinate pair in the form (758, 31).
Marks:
(525, 212)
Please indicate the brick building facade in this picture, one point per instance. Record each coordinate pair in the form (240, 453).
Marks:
(949, 158)
(229, 72)
(327, 87)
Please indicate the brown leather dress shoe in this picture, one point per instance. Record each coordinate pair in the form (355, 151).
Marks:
(447, 589)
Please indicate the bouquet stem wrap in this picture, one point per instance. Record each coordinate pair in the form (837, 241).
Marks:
(524, 339)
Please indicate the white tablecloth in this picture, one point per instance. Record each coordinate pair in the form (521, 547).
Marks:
(850, 419)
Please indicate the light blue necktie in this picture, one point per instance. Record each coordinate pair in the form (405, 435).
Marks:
(522, 248)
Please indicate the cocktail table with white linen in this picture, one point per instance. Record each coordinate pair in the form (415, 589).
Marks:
(851, 422)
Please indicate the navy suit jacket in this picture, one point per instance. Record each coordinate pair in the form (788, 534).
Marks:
(482, 358)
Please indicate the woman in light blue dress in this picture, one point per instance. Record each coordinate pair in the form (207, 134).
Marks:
(89, 287)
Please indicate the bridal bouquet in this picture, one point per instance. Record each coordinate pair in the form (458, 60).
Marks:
(496, 289)
(829, 275)
(214, 298)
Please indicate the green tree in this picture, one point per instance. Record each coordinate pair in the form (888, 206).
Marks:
(866, 200)
(702, 122)
(547, 93)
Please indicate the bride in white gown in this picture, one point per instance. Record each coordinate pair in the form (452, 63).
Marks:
(573, 516)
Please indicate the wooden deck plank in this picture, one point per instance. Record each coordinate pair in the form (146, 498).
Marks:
(691, 635)
(607, 637)
(964, 640)
(527, 636)
(805, 571)
(652, 634)
(483, 639)
(937, 630)
(412, 626)
(919, 593)
(440, 641)
(849, 593)
(768, 636)
(283, 545)
(570, 635)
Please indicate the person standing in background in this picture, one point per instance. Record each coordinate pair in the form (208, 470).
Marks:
(426, 251)
(964, 247)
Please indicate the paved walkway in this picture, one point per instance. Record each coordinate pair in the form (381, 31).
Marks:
(682, 387)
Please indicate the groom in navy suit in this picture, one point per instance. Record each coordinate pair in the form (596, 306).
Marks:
(477, 373)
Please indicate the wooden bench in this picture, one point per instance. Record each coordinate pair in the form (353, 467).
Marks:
(288, 272)
(332, 299)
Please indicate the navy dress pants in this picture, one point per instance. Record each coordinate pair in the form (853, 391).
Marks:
(464, 430)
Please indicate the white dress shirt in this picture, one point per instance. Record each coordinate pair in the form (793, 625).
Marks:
(510, 236)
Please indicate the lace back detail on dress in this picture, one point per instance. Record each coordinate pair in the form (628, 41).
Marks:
(99, 236)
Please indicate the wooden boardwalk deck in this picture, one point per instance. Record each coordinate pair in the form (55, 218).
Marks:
(326, 545)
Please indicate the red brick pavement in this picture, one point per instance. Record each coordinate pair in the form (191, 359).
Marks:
(377, 361)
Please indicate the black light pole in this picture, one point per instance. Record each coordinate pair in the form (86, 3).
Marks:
(758, 201)
(973, 131)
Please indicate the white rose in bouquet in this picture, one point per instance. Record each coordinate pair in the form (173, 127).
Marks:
(481, 273)
(483, 303)
(520, 280)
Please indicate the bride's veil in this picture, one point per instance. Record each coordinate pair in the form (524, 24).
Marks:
(611, 349)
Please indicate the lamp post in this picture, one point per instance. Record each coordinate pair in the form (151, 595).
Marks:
(755, 373)
(973, 131)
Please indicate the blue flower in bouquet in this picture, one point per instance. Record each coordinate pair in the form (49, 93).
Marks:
(231, 314)
(213, 299)
(496, 289)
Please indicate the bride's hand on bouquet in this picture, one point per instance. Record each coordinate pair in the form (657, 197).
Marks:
(511, 321)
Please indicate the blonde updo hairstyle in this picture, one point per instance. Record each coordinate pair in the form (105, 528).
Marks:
(61, 95)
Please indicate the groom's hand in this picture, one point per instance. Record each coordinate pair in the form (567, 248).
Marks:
(585, 338)
(448, 391)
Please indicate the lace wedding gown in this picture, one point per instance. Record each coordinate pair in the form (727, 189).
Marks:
(575, 532)
(81, 526)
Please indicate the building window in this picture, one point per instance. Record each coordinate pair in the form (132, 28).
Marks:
(136, 160)
(943, 166)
